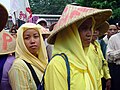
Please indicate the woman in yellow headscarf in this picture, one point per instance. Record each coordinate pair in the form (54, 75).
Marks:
(30, 48)
(72, 36)
(74, 42)
(96, 56)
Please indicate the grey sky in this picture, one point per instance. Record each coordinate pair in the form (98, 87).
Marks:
(6, 3)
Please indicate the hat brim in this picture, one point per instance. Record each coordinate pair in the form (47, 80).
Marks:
(3, 17)
(100, 16)
(103, 28)
(7, 44)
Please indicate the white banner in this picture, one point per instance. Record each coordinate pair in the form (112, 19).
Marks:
(20, 9)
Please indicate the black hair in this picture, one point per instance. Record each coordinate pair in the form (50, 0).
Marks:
(119, 23)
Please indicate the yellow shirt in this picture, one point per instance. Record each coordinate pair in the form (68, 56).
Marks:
(82, 72)
(21, 77)
(97, 57)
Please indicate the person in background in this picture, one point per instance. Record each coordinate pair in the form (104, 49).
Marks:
(71, 37)
(42, 22)
(7, 47)
(3, 17)
(45, 34)
(50, 47)
(7, 56)
(30, 48)
(103, 42)
(96, 56)
(113, 58)
(13, 30)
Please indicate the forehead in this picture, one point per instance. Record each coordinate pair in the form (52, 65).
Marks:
(86, 24)
(112, 26)
(30, 31)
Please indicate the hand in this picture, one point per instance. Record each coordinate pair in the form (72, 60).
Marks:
(108, 84)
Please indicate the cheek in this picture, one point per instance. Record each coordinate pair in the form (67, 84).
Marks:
(82, 36)
(38, 42)
(26, 43)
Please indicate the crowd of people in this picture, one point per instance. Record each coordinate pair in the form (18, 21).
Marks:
(68, 55)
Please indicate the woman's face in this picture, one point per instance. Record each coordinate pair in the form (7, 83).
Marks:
(86, 32)
(32, 40)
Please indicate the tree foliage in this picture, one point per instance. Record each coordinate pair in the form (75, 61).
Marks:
(104, 4)
(48, 6)
(57, 6)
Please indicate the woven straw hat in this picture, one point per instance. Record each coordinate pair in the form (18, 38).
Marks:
(72, 14)
(103, 28)
(7, 43)
(44, 30)
(3, 17)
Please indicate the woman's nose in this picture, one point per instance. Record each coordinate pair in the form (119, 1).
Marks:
(89, 34)
(32, 40)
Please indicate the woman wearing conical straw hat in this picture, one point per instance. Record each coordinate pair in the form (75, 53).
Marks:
(7, 49)
(97, 58)
(3, 17)
(71, 36)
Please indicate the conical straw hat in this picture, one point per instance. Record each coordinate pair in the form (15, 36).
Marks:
(72, 14)
(3, 17)
(44, 30)
(103, 28)
(7, 43)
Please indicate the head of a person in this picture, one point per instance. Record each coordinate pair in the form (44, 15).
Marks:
(85, 32)
(95, 35)
(42, 22)
(45, 32)
(112, 30)
(29, 35)
(3, 16)
(13, 31)
(100, 30)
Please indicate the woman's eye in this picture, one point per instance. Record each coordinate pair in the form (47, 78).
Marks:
(26, 38)
(36, 36)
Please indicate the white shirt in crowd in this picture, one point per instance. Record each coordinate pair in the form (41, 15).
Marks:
(113, 49)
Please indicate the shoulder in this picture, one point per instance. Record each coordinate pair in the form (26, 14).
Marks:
(114, 37)
(19, 64)
(57, 62)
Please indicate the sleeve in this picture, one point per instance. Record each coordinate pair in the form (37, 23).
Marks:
(106, 71)
(56, 75)
(112, 54)
(105, 68)
(49, 51)
(19, 78)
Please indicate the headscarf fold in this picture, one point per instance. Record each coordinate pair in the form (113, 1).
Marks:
(23, 53)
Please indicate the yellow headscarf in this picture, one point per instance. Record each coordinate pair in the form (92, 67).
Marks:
(23, 53)
(69, 42)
